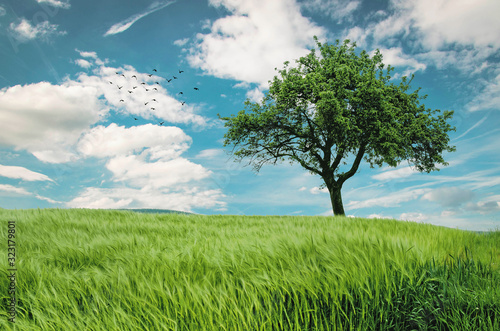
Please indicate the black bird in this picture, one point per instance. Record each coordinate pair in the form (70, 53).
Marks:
(174, 77)
(134, 76)
(147, 90)
(181, 71)
(154, 88)
(143, 83)
(157, 83)
(169, 80)
(117, 73)
(152, 108)
(150, 75)
(121, 100)
(161, 123)
(135, 118)
(155, 70)
(145, 103)
(111, 82)
(182, 103)
(124, 75)
(154, 100)
(120, 87)
(197, 89)
(181, 93)
(134, 87)
(129, 91)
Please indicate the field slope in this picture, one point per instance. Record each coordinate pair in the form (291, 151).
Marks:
(120, 270)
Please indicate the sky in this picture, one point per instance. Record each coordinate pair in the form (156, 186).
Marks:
(98, 106)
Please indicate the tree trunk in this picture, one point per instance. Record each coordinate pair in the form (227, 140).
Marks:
(336, 197)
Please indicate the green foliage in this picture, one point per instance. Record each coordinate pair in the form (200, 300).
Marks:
(336, 104)
(117, 270)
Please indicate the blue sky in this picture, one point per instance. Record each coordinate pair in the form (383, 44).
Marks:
(67, 141)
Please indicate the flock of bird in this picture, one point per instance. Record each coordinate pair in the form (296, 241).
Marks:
(137, 85)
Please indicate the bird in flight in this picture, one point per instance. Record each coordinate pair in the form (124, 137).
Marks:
(124, 75)
(161, 123)
(181, 93)
(134, 87)
(182, 103)
(111, 82)
(143, 83)
(169, 80)
(197, 89)
(152, 108)
(155, 70)
(120, 87)
(121, 100)
(154, 88)
(135, 118)
(150, 75)
(147, 90)
(154, 100)
(181, 71)
(129, 91)
(145, 103)
(134, 76)
(157, 83)
(174, 77)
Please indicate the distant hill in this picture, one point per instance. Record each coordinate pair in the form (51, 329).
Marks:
(157, 211)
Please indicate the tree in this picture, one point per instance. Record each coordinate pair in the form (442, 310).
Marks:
(335, 109)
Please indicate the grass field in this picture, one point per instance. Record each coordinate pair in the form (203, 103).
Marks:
(117, 270)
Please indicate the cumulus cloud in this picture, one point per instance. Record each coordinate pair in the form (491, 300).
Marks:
(83, 63)
(257, 37)
(185, 199)
(338, 10)
(22, 173)
(24, 31)
(449, 197)
(210, 153)
(127, 23)
(395, 57)
(160, 142)
(47, 119)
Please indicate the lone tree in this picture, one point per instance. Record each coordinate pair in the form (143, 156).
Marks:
(333, 110)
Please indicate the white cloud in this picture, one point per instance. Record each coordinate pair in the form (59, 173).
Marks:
(489, 98)
(24, 31)
(182, 200)
(83, 63)
(395, 57)
(379, 216)
(256, 38)
(317, 190)
(210, 153)
(2, 11)
(160, 142)
(127, 23)
(56, 3)
(13, 189)
(181, 42)
(47, 119)
(338, 10)
(449, 197)
(415, 217)
(22, 173)
(394, 174)
(449, 21)
(255, 95)
(391, 200)
(92, 55)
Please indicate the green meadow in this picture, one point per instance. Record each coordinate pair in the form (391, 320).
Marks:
(121, 270)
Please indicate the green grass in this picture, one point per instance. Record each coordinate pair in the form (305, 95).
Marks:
(118, 270)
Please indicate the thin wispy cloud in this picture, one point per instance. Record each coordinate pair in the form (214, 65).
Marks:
(127, 23)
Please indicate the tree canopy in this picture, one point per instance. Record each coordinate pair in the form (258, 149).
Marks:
(334, 109)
